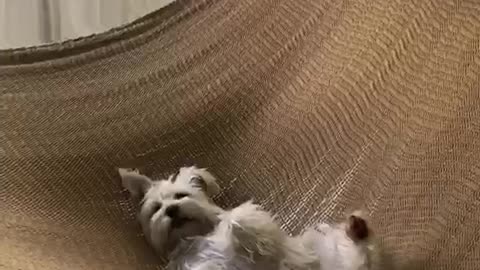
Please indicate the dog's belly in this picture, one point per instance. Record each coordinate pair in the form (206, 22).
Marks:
(202, 254)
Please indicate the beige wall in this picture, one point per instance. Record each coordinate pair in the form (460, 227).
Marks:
(33, 22)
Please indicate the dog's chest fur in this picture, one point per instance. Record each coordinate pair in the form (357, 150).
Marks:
(201, 253)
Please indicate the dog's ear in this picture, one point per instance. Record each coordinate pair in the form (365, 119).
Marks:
(136, 183)
(204, 180)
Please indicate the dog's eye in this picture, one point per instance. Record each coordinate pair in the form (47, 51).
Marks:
(181, 195)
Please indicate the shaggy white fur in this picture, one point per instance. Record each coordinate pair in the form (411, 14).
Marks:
(180, 220)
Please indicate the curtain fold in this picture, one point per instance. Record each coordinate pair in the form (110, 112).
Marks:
(33, 22)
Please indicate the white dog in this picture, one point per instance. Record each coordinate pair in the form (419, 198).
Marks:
(180, 220)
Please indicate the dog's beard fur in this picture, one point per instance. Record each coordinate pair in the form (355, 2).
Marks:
(199, 235)
(164, 232)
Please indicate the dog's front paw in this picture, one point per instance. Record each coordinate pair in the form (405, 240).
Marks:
(255, 230)
(323, 228)
(250, 216)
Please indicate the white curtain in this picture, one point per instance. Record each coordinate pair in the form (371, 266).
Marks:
(33, 22)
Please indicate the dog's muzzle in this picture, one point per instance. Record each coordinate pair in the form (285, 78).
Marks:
(177, 219)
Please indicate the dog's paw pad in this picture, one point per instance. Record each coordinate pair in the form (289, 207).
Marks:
(357, 228)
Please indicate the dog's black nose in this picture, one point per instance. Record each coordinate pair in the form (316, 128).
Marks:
(172, 211)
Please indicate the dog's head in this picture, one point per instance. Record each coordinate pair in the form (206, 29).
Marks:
(174, 208)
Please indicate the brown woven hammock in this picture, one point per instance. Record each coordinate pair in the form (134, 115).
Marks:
(311, 107)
